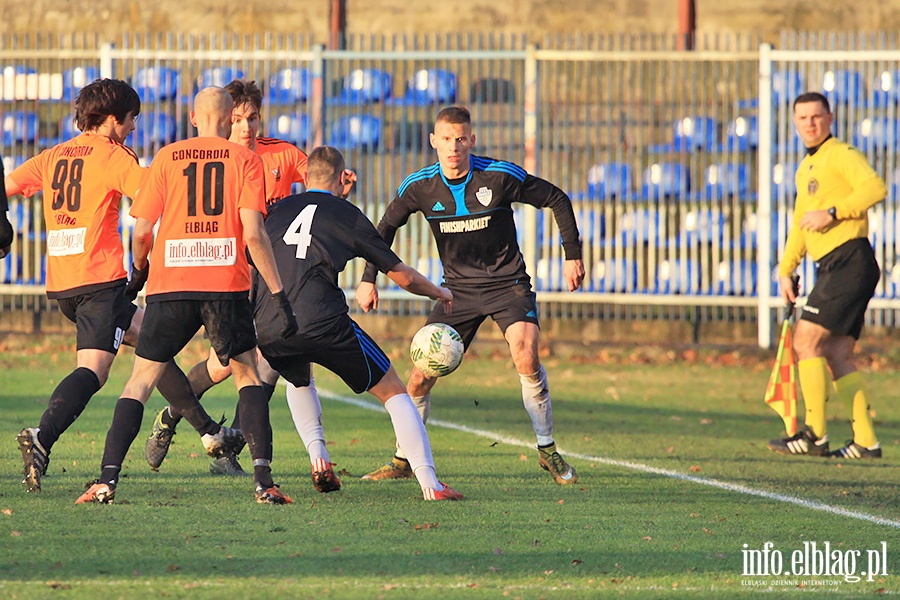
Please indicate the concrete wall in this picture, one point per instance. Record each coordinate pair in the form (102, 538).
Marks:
(534, 17)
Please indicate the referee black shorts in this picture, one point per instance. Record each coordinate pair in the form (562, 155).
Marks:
(341, 346)
(101, 318)
(170, 324)
(846, 279)
(508, 305)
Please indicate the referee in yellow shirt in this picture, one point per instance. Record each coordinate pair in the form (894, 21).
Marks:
(836, 186)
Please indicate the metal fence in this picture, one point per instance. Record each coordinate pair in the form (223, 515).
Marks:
(679, 163)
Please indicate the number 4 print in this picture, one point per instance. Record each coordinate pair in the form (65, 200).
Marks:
(298, 231)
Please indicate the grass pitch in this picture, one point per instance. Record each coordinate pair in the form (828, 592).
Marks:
(675, 480)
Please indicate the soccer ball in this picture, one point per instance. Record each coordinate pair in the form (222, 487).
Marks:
(436, 349)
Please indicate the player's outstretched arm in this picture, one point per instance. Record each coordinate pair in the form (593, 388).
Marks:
(414, 282)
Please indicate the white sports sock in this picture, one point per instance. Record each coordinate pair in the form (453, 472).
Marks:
(423, 405)
(306, 410)
(411, 436)
(536, 396)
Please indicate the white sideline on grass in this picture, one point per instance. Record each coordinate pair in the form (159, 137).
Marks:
(724, 485)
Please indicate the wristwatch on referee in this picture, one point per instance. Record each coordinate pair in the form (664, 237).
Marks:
(833, 212)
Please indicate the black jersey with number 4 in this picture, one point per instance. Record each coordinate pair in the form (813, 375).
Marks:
(313, 237)
(472, 219)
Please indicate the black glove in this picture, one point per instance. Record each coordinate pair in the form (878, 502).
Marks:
(286, 312)
(137, 281)
(6, 234)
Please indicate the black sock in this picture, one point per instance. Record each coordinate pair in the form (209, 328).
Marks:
(200, 379)
(262, 475)
(253, 409)
(267, 388)
(176, 388)
(125, 426)
(66, 403)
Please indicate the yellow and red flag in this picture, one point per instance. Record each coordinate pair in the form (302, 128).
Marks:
(781, 393)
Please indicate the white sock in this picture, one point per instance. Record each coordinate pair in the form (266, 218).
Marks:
(413, 438)
(423, 405)
(536, 396)
(306, 410)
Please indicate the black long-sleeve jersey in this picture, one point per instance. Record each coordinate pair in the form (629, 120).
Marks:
(472, 220)
(313, 236)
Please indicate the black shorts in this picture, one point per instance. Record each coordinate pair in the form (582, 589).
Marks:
(101, 318)
(846, 279)
(471, 307)
(342, 347)
(169, 325)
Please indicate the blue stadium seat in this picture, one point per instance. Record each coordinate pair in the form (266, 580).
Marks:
(492, 90)
(640, 227)
(784, 182)
(362, 86)
(742, 134)
(549, 276)
(677, 276)
(843, 87)
(703, 226)
(690, 134)
(430, 86)
(291, 127)
(666, 180)
(14, 82)
(156, 83)
(609, 180)
(612, 275)
(19, 127)
(886, 89)
(735, 278)
(67, 129)
(877, 133)
(154, 129)
(218, 76)
(289, 86)
(786, 85)
(725, 180)
(356, 132)
(76, 78)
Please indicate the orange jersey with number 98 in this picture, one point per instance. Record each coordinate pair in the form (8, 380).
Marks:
(83, 181)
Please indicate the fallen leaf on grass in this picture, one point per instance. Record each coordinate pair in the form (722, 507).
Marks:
(707, 531)
(7, 511)
(560, 501)
(58, 585)
(695, 469)
(15, 533)
(172, 568)
(646, 538)
(523, 457)
(498, 551)
(706, 421)
(576, 562)
(548, 572)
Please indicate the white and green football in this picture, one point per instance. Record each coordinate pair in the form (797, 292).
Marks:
(436, 349)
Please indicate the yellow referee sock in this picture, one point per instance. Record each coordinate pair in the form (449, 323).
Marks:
(850, 391)
(815, 381)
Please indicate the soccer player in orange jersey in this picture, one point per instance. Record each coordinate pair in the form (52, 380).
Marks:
(207, 195)
(285, 165)
(83, 180)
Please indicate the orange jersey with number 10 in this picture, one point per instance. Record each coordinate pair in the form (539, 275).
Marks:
(196, 188)
(83, 181)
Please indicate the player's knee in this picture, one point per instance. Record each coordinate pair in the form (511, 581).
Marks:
(419, 384)
(217, 371)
